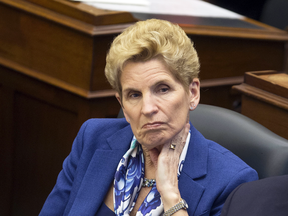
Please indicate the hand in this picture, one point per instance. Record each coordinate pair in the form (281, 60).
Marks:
(166, 164)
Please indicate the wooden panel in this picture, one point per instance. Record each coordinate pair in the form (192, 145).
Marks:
(226, 57)
(220, 96)
(101, 46)
(272, 117)
(264, 99)
(43, 135)
(45, 46)
(6, 159)
(38, 123)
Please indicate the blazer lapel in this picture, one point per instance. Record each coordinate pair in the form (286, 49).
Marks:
(104, 162)
(195, 167)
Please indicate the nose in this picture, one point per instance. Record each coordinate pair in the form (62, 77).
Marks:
(149, 105)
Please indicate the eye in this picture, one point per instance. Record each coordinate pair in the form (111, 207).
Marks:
(134, 95)
(163, 88)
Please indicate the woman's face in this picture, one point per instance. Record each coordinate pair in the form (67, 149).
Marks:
(154, 102)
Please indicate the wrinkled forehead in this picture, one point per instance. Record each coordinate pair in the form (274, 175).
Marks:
(170, 72)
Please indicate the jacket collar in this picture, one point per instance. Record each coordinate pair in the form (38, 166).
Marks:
(195, 164)
(195, 167)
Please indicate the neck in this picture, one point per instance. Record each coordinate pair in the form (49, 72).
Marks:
(150, 168)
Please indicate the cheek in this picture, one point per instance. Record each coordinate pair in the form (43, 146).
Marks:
(181, 111)
(181, 105)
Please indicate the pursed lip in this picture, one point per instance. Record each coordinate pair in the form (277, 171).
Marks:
(152, 125)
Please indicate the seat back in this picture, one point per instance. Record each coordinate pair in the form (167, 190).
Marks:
(260, 148)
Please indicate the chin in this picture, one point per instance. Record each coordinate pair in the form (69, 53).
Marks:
(154, 141)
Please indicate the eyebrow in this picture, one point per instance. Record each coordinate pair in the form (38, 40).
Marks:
(155, 84)
(129, 89)
(163, 81)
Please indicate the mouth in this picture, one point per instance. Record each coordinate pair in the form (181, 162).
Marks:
(152, 125)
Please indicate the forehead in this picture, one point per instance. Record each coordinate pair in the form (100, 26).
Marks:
(140, 73)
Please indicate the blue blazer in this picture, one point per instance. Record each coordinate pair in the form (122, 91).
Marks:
(210, 172)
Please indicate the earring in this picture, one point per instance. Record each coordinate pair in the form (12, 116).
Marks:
(192, 107)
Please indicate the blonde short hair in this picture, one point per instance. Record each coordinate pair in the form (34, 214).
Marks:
(149, 39)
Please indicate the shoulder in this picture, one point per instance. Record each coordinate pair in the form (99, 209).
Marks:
(262, 197)
(226, 160)
(105, 124)
(104, 127)
(94, 133)
(219, 165)
(266, 186)
(228, 169)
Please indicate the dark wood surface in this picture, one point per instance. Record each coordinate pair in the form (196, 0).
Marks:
(265, 99)
(38, 124)
(54, 44)
(52, 59)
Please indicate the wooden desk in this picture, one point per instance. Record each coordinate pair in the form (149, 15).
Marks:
(65, 43)
(265, 99)
(52, 58)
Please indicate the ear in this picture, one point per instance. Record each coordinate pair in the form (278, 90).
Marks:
(120, 102)
(194, 91)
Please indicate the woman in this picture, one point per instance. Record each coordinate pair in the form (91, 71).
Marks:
(114, 163)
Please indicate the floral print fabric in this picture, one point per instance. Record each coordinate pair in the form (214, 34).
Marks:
(128, 181)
